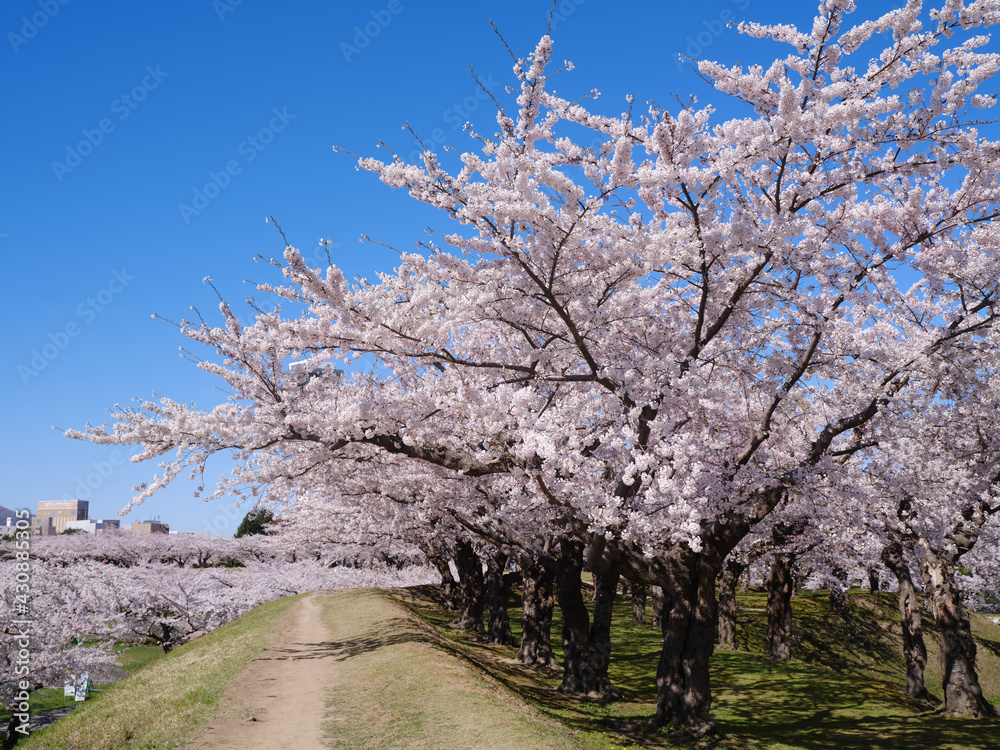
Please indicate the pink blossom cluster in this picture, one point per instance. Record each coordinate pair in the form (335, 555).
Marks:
(658, 332)
(88, 596)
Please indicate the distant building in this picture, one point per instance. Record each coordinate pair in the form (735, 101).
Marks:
(152, 526)
(307, 369)
(96, 526)
(42, 526)
(63, 511)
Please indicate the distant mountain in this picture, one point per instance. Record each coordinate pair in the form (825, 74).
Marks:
(6, 513)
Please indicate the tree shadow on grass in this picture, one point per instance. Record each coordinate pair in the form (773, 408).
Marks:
(846, 691)
(385, 633)
(804, 707)
(993, 646)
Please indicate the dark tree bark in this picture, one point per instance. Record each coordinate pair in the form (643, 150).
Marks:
(580, 662)
(12, 736)
(744, 584)
(472, 589)
(838, 601)
(448, 593)
(731, 573)
(914, 649)
(638, 592)
(656, 619)
(779, 607)
(874, 580)
(576, 619)
(538, 604)
(684, 696)
(498, 587)
(164, 636)
(606, 588)
(962, 694)
(839, 586)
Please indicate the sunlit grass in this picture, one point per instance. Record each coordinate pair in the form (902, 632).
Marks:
(159, 705)
(47, 699)
(843, 688)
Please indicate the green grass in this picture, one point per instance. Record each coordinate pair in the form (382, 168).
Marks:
(133, 658)
(168, 695)
(46, 699)
(397, 685)
(843, 688)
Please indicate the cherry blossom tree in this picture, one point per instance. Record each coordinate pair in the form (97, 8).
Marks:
(53, 623)
(69, 602)
(661, 336)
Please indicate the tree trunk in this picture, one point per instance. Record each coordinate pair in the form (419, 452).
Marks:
(727, 603)
(874, 582)
(744, 585)
(638, 592)
(656, 594)
(538, 603)
(12, 736)
(579, 675)
(962, 694)
(914, 650)
(684, 697)
(498, 597)
(779, 608)
(838, 601)
(448, 597)
(473, 589)
(606, 587)
(166, 639)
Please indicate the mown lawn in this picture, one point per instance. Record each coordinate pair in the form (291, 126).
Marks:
(843, 688)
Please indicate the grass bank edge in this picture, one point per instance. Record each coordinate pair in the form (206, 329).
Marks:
(161, 704)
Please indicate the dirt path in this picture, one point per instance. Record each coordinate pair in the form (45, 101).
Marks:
(356, 670)
(279, 701)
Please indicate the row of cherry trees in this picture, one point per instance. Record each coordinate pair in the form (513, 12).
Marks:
(655, 339)
(71, 602)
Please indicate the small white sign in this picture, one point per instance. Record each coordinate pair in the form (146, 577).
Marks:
(81, 686)
(69, 690)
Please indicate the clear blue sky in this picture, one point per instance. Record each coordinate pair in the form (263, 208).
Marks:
(116, 113)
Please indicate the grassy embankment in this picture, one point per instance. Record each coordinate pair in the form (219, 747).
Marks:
(46, 699)
(843, 687)
(157, 706)
(398, 687)
(391, 684)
